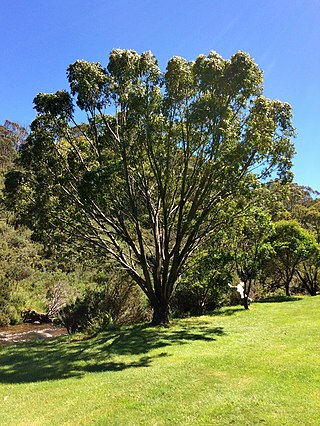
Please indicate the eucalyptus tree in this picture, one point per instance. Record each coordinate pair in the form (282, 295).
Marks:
(150, 174)
(12, 135)
(308, 215)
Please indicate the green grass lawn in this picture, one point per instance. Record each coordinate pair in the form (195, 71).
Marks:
(257, 367)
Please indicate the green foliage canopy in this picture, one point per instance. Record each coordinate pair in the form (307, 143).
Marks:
(291, 245)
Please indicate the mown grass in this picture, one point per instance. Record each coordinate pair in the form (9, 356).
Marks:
(234, 368)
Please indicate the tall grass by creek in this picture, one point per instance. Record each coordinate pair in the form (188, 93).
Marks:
(233, 368)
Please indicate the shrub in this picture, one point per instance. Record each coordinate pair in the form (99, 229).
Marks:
(112, 300)
(199, 297)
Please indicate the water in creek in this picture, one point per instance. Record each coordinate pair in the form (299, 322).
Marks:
(23, 332)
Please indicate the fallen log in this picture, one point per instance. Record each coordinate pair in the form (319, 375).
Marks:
(32, 316)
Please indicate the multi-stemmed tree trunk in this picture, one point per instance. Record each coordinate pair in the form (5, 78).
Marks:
(308, 270)
(159, 163)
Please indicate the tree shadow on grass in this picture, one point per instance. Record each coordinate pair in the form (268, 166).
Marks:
(230, 311)
(279, 299)
(114, 350)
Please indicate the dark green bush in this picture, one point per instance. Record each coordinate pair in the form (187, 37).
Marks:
(204, 286)
(199, 297)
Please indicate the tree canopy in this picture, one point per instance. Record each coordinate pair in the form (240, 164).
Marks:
(158, 165)
(292, 245)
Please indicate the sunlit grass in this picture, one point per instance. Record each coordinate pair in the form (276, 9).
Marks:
(237, 367)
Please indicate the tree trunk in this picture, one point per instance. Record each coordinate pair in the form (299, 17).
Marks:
(287, 289)
(313, 291)
(245, 302)
(309, 283)
(160, 314)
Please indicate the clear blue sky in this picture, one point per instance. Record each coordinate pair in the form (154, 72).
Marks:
(40, 38)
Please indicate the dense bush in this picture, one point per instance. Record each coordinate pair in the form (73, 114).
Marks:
(27, 280)
(111, 299)
(10, 303)
(199, 298)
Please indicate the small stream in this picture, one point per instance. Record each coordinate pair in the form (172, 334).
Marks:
(24, 332)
